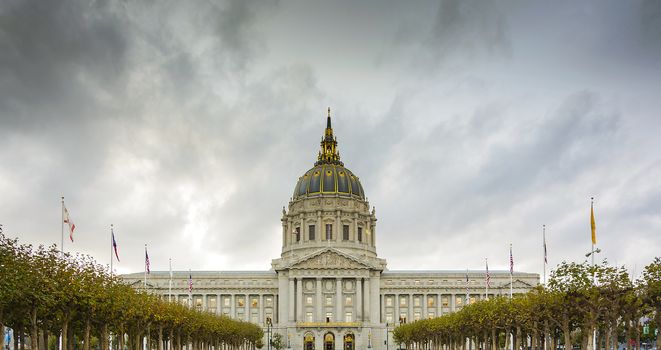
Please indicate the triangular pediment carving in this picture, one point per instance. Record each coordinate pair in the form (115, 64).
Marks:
(328, 259)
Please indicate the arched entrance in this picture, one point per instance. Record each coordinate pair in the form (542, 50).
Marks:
(348, 342)
(308, 341)
(329, 341)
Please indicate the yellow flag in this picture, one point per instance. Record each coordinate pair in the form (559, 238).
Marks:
(593, 226)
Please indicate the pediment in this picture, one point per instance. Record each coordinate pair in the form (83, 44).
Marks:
(328, 259)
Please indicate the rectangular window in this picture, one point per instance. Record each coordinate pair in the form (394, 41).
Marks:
(226, 301)
(402, 318)
(416, 316)
(329, 317)
(347, 317)
(431, 314)
(388, 301)
(212, 302)
(311, 232)
(445, 302)
(329, 300)
(416, 282)
(360, 234)
(240, 302)
(389, 317)
(430, 301)
(402, 301)
(298, 234)
(416, 301)
(329, 232)
(345, 232)
(472, 299)
(347, 301)
(254, 302)
(459, 301)
(269, 301)
(308, 317)
(308, 300)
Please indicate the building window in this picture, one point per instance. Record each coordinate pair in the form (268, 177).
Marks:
(347, 301)
(416, 301)
(311, 232)
(308, 317)
(240, 302)
(212, 302)
(416, 316)
(445, 302)
(345, 232)
(472, 299)
(298, 234)
(430, 282)
(431, 314)
(347, 317)
(254, 302)
(360, 234)
(329, 232)
(226, 301)
(329, 300)
(430, 301)
(329, 317)
(269, 301)
(389, 317)
(389, 301)
(459, 301)
(308, 300)
(402, 301)
(416, 282)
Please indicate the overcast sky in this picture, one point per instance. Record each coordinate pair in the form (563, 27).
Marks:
(186, 124)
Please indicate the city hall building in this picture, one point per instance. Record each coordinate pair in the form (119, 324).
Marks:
(329, 289)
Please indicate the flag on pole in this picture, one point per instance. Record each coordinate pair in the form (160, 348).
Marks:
(544, 239)
(593, 226)
(114, 243)
(190, 282)
(467, 292)
(147, 260)
(488, 276)
(67, 220)
(511, 261)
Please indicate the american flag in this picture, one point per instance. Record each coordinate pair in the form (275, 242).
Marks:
(467, 292)
(511, 261)
(544, 238)
(190, 282)
(146, 260)
(488, 276)
(114, 244)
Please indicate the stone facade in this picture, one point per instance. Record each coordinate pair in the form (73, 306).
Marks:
(329, 290)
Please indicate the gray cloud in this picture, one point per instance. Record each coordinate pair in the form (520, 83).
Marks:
(187, 124)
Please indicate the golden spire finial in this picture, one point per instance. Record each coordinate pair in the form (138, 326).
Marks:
(328, 153)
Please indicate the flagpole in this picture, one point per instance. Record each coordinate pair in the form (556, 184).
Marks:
(111, 247)
(544, 249)
(511, 270)
(486, 282)
(170, 283)
(466, 287)
(145, 285)
(593, 239)
(62, 230)
(190, 290)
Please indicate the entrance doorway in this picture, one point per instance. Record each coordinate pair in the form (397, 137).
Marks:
(348, 342)
(308, 341)
(329, 341)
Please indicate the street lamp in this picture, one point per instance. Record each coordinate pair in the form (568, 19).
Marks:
(387, 335)
(269, 325)
(288, 340)
(369, 338)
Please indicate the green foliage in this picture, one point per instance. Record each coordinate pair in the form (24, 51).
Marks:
(41, 289)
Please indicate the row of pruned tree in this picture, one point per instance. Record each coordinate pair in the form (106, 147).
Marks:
(45, 295)
(578, 301)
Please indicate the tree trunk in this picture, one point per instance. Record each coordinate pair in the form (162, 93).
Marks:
(88, 327)
(34, 330)
(65, 333)
(103, 341)
(517, 338)
(657, 317)
(566, 332)
(2, 333)
(72, 340)
(160, 337)
(21, 339)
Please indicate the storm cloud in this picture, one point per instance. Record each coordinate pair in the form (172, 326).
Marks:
(471, 124)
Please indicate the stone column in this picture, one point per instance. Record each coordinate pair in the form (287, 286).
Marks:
(283, 298)
(382, 299)
(359, 299)
(424, 306)
(375, 309)
(299, 300)
(338, 299)
(452, 302)
(367, 313)
(261, 318)
(396, 316)
(319, 306)
(246, 312)
(219, 310)
(338, 226)
(439, 305)
(320, 232)
(409, 318)
(291, 315)
(233, 306)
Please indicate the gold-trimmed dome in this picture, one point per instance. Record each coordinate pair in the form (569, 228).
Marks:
(329, 176)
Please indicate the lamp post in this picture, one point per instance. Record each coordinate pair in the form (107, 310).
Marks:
(269, 325)
(387, 335)
(288, 340)
(369, 338)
